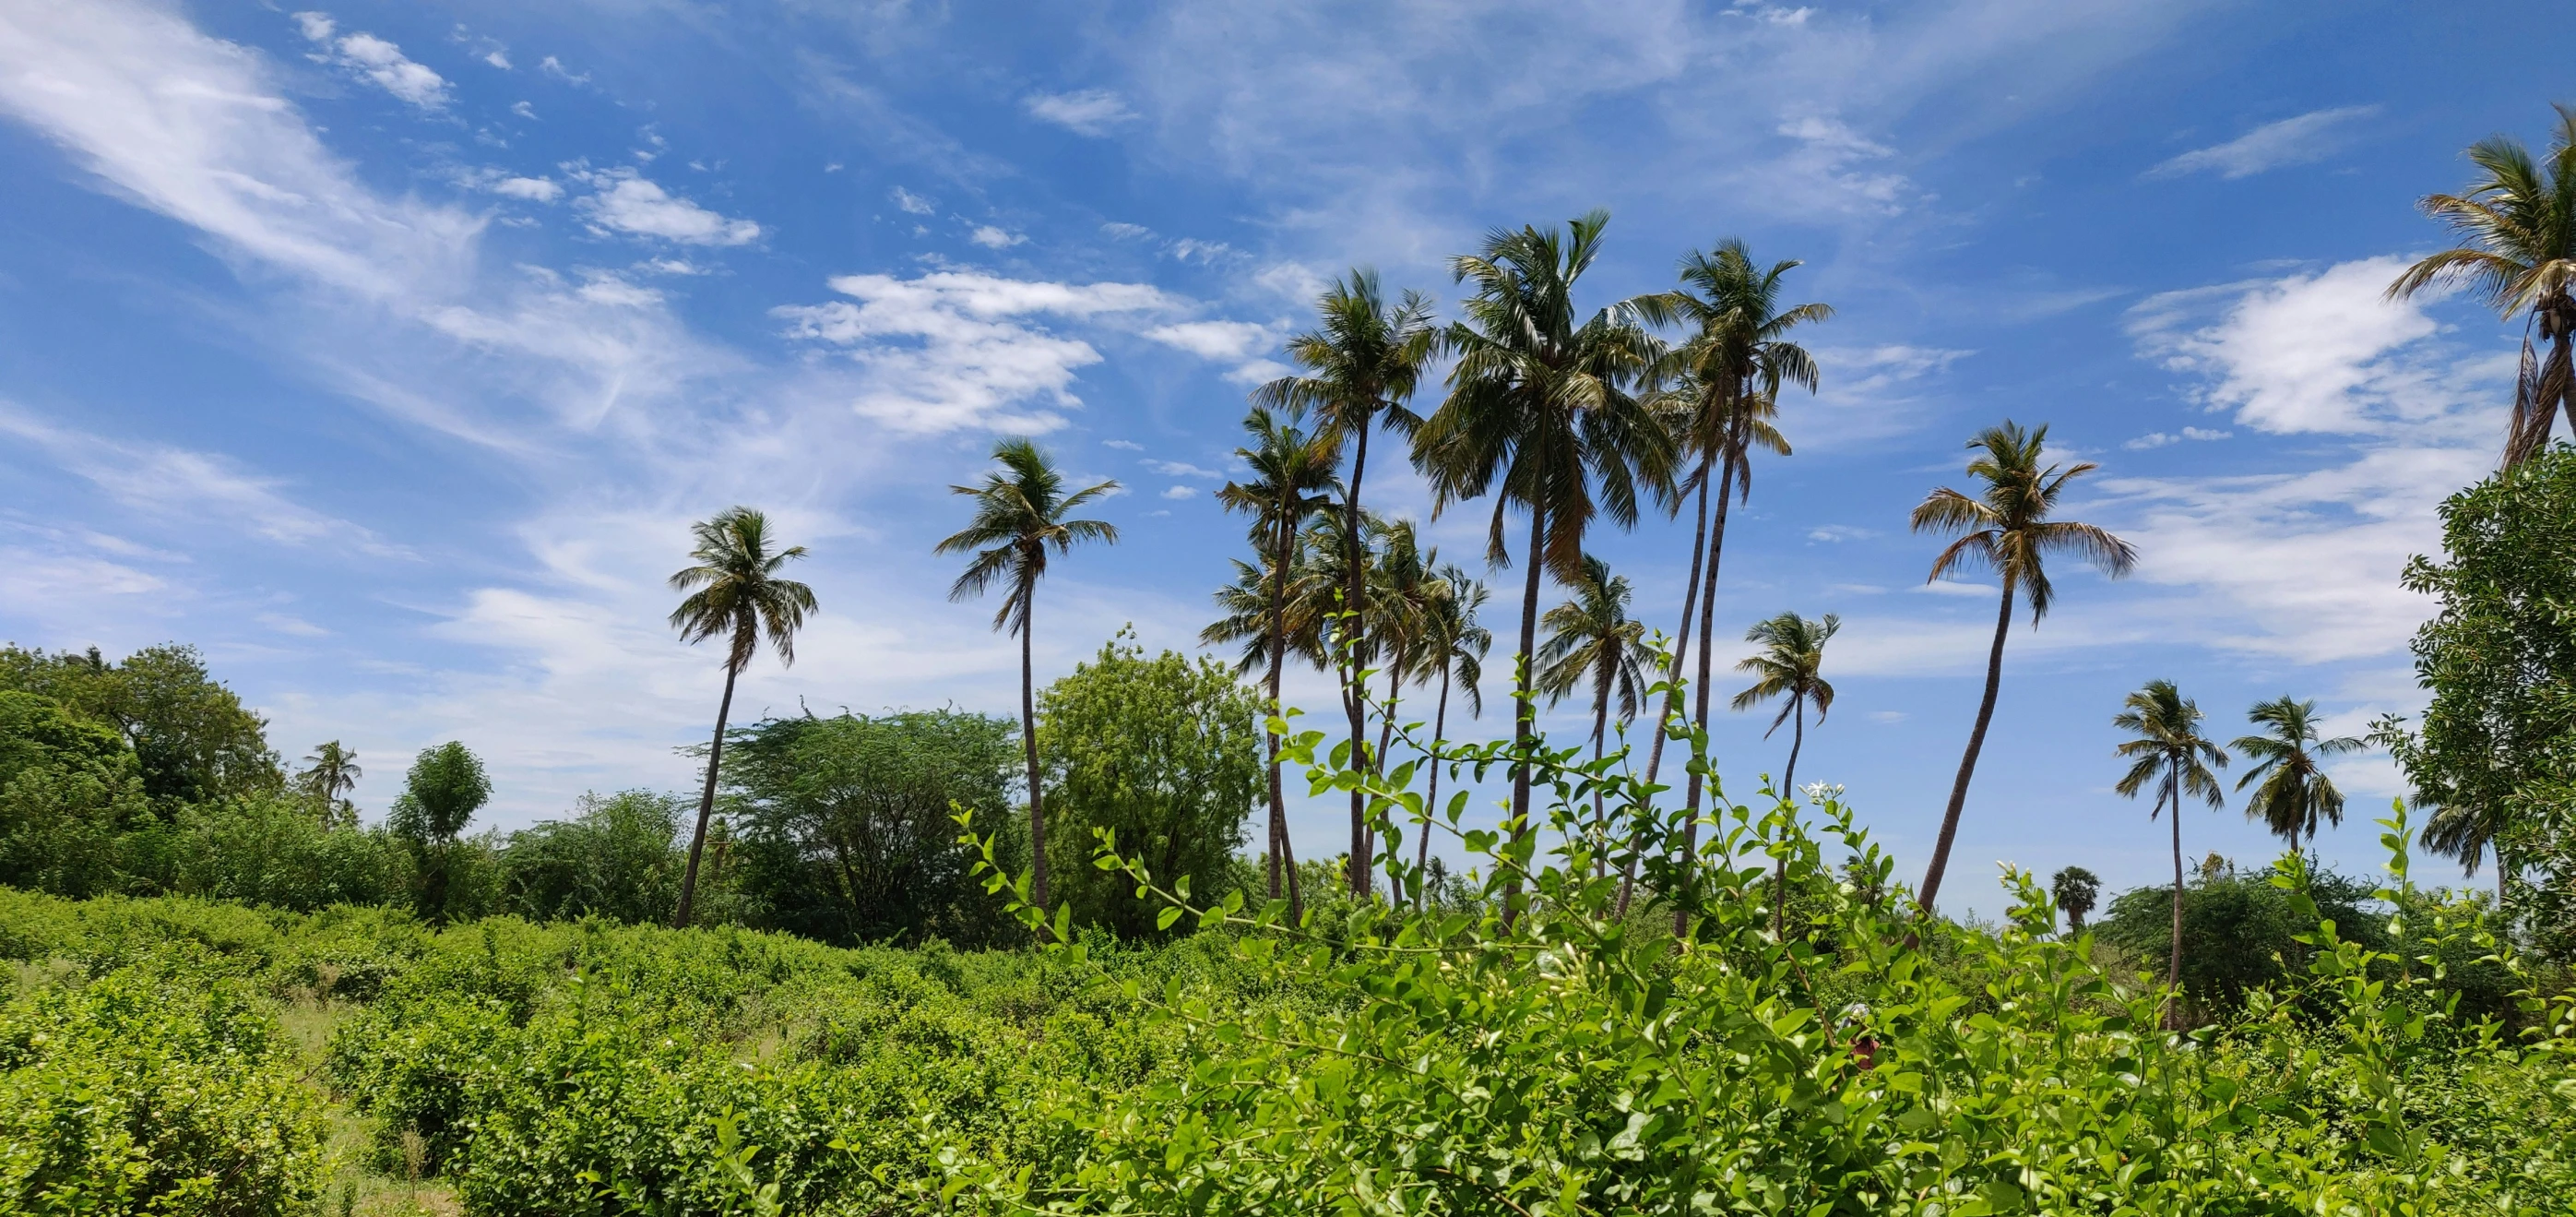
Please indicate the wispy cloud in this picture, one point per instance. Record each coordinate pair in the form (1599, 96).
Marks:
(1093, 112)
(2302, 140)
(628, 203)
(2158, 439)
(377, 61)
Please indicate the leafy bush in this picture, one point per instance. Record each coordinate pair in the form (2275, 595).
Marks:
(152, 1091)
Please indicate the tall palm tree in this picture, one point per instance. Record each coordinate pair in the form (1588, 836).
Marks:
(1790, 665)
(2005, 528)
(1292, 479)
(1540, 411)
(2516, 224)
(1404, 579)
(1021, 511)
(1592, 640)
(2170, 752)
(2295, 795)
(734, 592)
(1362, 363)
(331, 773)
(2467, 834)
(2075, 890)
(1453, 642)
(1739, 355)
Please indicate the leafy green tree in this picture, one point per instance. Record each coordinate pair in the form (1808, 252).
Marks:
(1592, 640)
(1163, 753)
(331, 773)
(2516, 224)
(1292, 480)
(441, 793)
(2499, 656)
(734, 593)
(2170, 752)
(271, 850)
(2295, 795)
(2237, 930)
(848, 828)
(2007, 530)
(618, 857)
(1541, 412)
(2075, 890)
(1021, 511)
(70, 793)
(1731, 368)
(193, 741)
(1362, 362)
(1453, 643)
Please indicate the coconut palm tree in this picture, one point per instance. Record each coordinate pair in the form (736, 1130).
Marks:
(1403, 581)
(1789, 665)
(2075, 889)
(2006, 528)
(2170, 752)
(1540, 411)
(1592, 640)
(331, 773)
(2295, 795)
(2516, 224)
(1022, 511)
(1292, 480)
(734, 592)
(1452, 642)
(1362, 362)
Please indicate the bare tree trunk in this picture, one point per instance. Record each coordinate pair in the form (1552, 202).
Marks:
(1431, 803)
(1355, 590)
(1524, 709)
(1282, 858)
(1699, 694)
(1968, 763)
(1673, 695)
(1600, 808)
(706, 804)
(1029, 744)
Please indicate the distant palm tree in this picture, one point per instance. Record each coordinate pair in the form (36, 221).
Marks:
(1738, 357)
(1592, 640)
(2075, 890)
(1540, 411)
(2007, 530)
(1403, 581)
(1021, 511)
(737, 596)
(332, 772)
(1363, 361)
(1292, 479)
(2517, 228)
(1789, 665)
(2468, 834)
(1455, 644)
(2169, 751)
(2296, 795)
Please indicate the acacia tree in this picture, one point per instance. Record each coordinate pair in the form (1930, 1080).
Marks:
(1292, 480)
(2076, 890)
(2170, 752)
(735, 592)
(1363, 361)
(2006, 529)
(2516, 224)
(1540, 412)
(1021, 512)
(1592, 640)
(2295, 795)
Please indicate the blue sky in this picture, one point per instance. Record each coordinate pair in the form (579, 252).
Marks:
(385, 351)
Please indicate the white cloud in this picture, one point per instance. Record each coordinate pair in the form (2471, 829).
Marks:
(2302, 140)
(1127, 232)
(1085, 112)
(2158, 439)
(1181, 492)
(1124, 444)
(1866, 393)
(380, 62)
(1180, 469)
(533, 189)
(958, 350)
(1191, 249)
(913, 203)
(1234, 342)
(1839, 532)
(524, 110)
(1831, 156)
(1887, 716)
(628, 203)
(991, 237)
(554, 67)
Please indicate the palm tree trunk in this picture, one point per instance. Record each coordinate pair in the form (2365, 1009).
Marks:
(1524, 708)
(706, 804)
(1600, 736)
(1431, 803)
(1968, 763)
(1278, 656)
(1386, 730)
(2173, 971)
(1673, 694)
(1029, 745)
(1699, 694)
(1355, 590)
(1789, 791)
